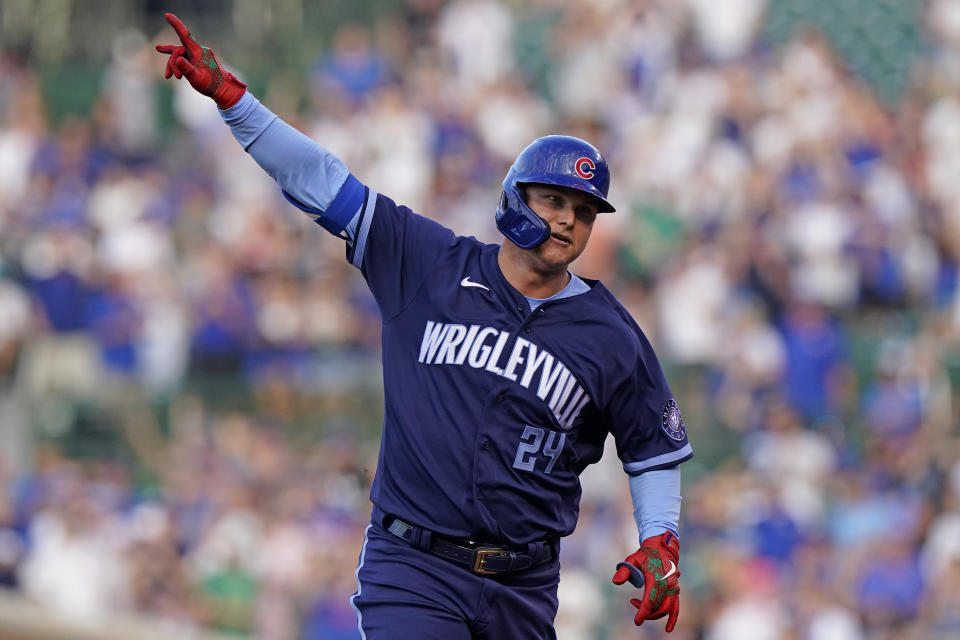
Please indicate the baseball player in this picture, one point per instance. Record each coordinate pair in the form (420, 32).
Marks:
(503, 375)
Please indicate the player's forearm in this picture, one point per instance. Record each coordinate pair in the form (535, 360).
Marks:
(656, 501)
(306, 171)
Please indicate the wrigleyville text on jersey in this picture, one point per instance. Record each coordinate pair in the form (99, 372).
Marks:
(525, 363)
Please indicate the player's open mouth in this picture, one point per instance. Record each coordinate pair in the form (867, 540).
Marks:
(560, 239)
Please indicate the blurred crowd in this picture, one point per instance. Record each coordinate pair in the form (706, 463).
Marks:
(788, 241)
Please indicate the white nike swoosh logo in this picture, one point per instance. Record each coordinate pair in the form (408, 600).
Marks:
(673, 570)
(466, 283)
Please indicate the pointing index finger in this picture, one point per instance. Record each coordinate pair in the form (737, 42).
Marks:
(193, 49)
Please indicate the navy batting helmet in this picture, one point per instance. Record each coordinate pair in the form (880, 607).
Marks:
(559, 160)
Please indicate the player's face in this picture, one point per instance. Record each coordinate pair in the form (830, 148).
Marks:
(570, 214)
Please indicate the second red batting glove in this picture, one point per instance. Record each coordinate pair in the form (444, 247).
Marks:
(655, 566)
(199, 66)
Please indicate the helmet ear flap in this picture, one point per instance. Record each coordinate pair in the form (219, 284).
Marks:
(518, 222)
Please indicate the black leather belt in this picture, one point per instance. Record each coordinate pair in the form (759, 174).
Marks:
(480, 558)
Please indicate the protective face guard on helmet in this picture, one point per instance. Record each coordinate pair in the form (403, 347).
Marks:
(554, 160)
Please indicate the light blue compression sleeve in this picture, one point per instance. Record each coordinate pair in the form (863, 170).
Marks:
(656, 501)
(312, 178)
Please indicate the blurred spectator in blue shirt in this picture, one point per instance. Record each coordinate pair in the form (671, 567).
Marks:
(817, 353)
(354, 69)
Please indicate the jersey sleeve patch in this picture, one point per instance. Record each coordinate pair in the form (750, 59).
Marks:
(672, 422)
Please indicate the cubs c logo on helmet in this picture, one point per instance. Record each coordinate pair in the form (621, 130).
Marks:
(585, 167)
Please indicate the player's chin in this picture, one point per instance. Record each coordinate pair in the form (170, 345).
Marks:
(564, 249)
(558, 257)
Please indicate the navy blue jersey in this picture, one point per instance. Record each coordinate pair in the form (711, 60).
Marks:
(491, 411)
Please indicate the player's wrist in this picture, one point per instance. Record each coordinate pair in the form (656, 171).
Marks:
(229, 91)
(667, 543)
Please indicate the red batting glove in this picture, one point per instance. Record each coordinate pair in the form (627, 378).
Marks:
(200, 67)
(656, 562)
